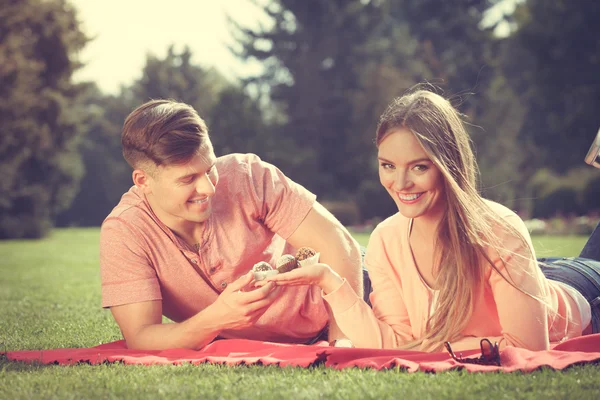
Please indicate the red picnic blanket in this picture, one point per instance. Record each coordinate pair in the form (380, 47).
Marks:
(585, 349)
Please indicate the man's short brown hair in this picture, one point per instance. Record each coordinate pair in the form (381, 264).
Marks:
(164, 132)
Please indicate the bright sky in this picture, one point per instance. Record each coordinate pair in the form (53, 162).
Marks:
(125, 31)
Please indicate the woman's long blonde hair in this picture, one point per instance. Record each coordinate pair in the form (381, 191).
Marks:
(465, 233)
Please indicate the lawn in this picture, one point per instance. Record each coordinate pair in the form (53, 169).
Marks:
(50, 297)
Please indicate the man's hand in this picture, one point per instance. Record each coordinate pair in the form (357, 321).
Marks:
(142, 328)
(238, 308)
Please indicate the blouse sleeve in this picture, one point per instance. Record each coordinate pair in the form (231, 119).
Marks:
(523, 314)
(387, 325)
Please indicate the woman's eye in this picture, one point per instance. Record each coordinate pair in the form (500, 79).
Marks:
(386, 166)
(420, 168)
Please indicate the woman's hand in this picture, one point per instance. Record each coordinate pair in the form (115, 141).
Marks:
(317, 274)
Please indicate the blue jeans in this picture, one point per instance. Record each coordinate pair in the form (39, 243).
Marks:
(581, 273)
(591, 249)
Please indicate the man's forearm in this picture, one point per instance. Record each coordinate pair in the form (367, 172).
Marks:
(345, 260)
(323, 232)
(194, 333)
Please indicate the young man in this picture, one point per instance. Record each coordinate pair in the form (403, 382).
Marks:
(182, 241)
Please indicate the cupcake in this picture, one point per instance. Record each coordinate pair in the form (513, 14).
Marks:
(307, 256)
(286, 263)
(262, 270)
(304, 252)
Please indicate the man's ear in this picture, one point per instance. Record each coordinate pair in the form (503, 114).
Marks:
(142, 179)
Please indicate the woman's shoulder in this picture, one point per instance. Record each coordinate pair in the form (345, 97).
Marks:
(387, 238)
(392, 222)
(393, 226)
(510, 218)
(500, 210)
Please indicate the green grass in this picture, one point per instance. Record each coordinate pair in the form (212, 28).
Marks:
(50, 297)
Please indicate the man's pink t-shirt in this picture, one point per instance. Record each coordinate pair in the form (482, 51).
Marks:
(254, 209)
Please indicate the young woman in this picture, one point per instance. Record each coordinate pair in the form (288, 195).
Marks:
(450, 265)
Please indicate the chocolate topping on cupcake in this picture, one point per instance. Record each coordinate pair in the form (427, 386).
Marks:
(262, 270)
(304, 252)
(262, 266)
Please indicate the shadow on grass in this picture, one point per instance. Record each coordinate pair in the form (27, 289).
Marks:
(18, 366)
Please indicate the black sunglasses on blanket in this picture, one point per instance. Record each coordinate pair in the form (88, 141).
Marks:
(490, 354)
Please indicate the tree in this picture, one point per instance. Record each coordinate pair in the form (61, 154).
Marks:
(237, 125)
(313, 55)
(553, 65)
(455, 52)
(39, 114)
(176, 77)
(107, 175)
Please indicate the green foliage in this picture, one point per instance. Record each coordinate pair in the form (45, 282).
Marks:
(236, 125)
(505, 163)
(591, 195)
(40, 116)
(450, 41)
(554, 63)
(176, 77)
(566, 194)
(313, 54)
(107, 174)
(374, 201)
(562, 201)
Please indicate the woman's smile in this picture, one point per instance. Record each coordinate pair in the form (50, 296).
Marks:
(410, 198)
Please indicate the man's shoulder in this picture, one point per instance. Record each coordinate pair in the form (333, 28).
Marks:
(238, 170)
(237, 161)
(132, 208)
